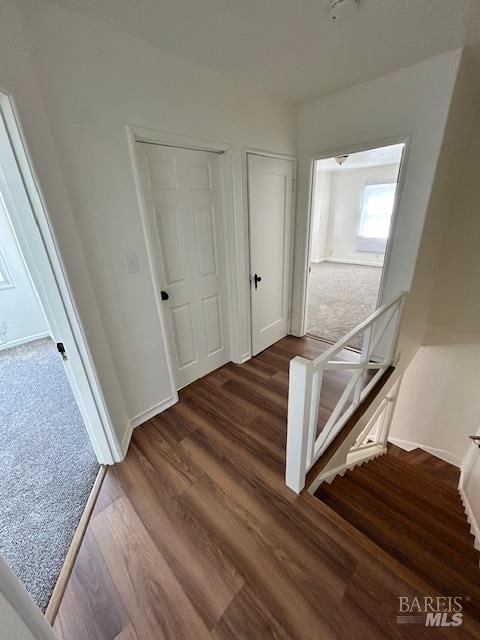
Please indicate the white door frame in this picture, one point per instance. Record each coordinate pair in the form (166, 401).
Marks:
(20, 616)
(141, 134)
(346, 150)
(38, 244)
(278, 156)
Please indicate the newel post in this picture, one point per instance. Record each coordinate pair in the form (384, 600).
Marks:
(299, 406)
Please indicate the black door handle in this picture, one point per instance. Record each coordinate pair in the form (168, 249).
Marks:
(164, 295)
(256, 280)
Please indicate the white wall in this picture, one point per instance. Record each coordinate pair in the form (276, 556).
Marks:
(439, 403)
(470, 488)
(345, 202)
(18, 79)
(321, 215)
(472, 485)
(20, 308)
(95, 81)
(411, 102)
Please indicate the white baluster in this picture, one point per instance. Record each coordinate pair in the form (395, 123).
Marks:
(364, 360)
(315, 404)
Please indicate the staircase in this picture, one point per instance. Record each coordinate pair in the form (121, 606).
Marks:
(408, 504)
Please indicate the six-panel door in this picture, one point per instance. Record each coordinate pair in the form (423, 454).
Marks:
(184, 195)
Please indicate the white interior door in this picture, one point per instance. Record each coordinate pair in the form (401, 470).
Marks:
(184, 201)
(270, 195)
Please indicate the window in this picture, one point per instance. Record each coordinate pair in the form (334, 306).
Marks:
(375, 216)
(5, 279)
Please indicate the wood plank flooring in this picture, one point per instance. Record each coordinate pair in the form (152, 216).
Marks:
(195, 535)
(409, 504)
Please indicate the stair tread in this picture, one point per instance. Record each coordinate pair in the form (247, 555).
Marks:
(457, 516)
(429, 566)
(410, 528)
(417, 519)
(422, 460)
(456, 533)
(414, 472)
(410, 480)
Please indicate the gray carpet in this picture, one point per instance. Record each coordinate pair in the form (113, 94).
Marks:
(340, 297)
(47, 465)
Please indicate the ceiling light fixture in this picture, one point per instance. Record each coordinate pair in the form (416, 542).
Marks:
(340, 159)
(476, 439)
(336, 7)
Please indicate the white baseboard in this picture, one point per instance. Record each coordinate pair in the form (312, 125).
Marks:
(357, 262)
(142, 417)
(317, 261)
(19, 341)
(125, 441)
(439, 453)
(474, 524)
(404, 444)
(295, 333)
(357, 458)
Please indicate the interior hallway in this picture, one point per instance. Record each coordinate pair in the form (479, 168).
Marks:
(340, 296)
(195, 534)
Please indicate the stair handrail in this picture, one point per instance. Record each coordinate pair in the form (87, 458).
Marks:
(304, 447)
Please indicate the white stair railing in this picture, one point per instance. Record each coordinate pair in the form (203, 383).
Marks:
(380, 333)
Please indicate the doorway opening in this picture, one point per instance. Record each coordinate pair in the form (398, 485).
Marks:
(54, 427)
(353, 204)
(47, 463)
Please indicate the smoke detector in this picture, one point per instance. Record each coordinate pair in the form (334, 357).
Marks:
(336, 8)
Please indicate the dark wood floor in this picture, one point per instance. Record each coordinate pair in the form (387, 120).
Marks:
(437, 468)
(408, 503)
(196, 536)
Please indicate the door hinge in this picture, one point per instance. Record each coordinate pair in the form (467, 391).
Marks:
(61, 350)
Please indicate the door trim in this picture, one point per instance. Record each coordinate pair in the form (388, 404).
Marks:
(306, 245)
(142, 134)
(60, 302)
(279, 156)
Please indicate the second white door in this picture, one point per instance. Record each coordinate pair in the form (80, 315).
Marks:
(184, 204)
(270, 200)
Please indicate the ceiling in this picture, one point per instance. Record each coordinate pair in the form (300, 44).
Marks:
(378, 157)
(290, 49)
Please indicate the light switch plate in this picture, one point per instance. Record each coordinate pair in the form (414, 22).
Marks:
(132, 263)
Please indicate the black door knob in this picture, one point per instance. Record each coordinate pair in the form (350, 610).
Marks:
(256, 280)
(164, 295)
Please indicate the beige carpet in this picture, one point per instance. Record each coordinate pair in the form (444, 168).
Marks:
(47, 465)
(340, 297)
